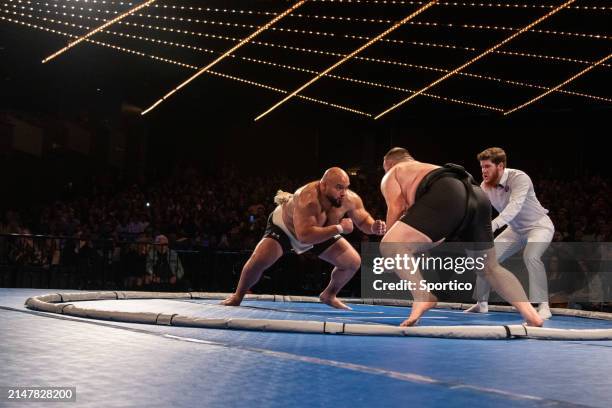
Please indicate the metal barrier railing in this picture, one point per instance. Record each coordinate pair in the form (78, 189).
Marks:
(68, 262)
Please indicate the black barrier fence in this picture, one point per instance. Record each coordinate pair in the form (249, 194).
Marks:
(59, 262)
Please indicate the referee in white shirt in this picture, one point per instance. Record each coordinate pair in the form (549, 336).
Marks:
(511, 193)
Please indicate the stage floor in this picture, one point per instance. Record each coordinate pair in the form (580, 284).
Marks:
(121, 364)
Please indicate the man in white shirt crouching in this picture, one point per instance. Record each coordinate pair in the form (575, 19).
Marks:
(512, 194)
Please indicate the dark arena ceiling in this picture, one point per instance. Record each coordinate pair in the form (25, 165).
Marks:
(372, 59)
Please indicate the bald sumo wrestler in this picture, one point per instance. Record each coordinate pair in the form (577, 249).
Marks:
(312, 220)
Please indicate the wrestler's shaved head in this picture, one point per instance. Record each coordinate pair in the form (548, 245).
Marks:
(394, 156)
(335, 175)
(334, 185)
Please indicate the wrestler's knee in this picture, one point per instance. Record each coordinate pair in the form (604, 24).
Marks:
(258, 263)
(351, 262)
(388, 245)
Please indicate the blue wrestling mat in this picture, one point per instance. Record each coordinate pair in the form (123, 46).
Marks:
(114, 364)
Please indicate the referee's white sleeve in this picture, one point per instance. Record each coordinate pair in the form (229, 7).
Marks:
(520, 187)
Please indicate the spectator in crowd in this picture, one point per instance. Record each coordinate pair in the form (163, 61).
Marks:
(25, 252)
(164, 266)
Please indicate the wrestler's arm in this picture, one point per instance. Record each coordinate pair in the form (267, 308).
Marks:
(305, 221)
(362, 218)
(392, 192)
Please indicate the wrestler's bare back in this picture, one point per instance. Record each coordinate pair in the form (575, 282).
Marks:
(403, 180)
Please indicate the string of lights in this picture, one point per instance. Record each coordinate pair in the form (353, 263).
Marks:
(389, 2)
(349, 56)
(476, 58)
(562, 84)
(359, 37)
(225, 54)
(362, 58)
(545, 90)
(297, 69)
(170, 61)
(96, 30)
(465, 4)
(372, 20)
(317, 33)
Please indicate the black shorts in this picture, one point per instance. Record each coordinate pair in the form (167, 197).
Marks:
(441, 211)
(275, 232)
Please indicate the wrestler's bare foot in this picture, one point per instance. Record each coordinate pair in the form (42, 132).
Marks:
(535, 321)
(418, 309)
(409, 322)
(333, 301)
(233, 300)
(531, 316)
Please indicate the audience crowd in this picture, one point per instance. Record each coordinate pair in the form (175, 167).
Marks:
(231, 211)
